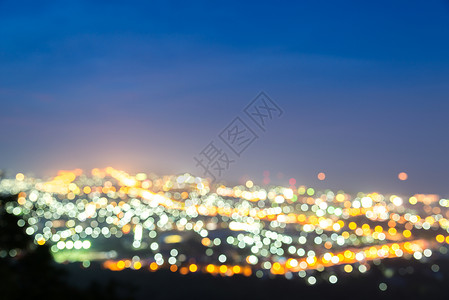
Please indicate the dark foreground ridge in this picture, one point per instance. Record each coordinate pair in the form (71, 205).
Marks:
(28, 271)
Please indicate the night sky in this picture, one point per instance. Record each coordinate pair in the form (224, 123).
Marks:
(144, 87)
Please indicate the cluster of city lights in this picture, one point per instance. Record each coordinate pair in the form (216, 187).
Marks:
(184, 224)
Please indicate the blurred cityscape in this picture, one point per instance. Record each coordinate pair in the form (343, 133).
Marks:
(185, 224)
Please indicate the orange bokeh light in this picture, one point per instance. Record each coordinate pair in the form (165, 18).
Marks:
(403, 176)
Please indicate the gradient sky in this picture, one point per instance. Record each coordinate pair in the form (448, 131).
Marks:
(145, 87)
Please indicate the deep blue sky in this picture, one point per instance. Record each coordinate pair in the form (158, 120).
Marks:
(364, 86)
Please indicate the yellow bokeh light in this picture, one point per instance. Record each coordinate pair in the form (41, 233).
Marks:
(21, 200)
(137, 265)
(301, 190)
(193, 268)
(365, 227)
(120, 264)
(378, 228)
(352, 225)
(223, 269)
(210, 268)
(340, 197)
(413, 200)
(440, 238)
